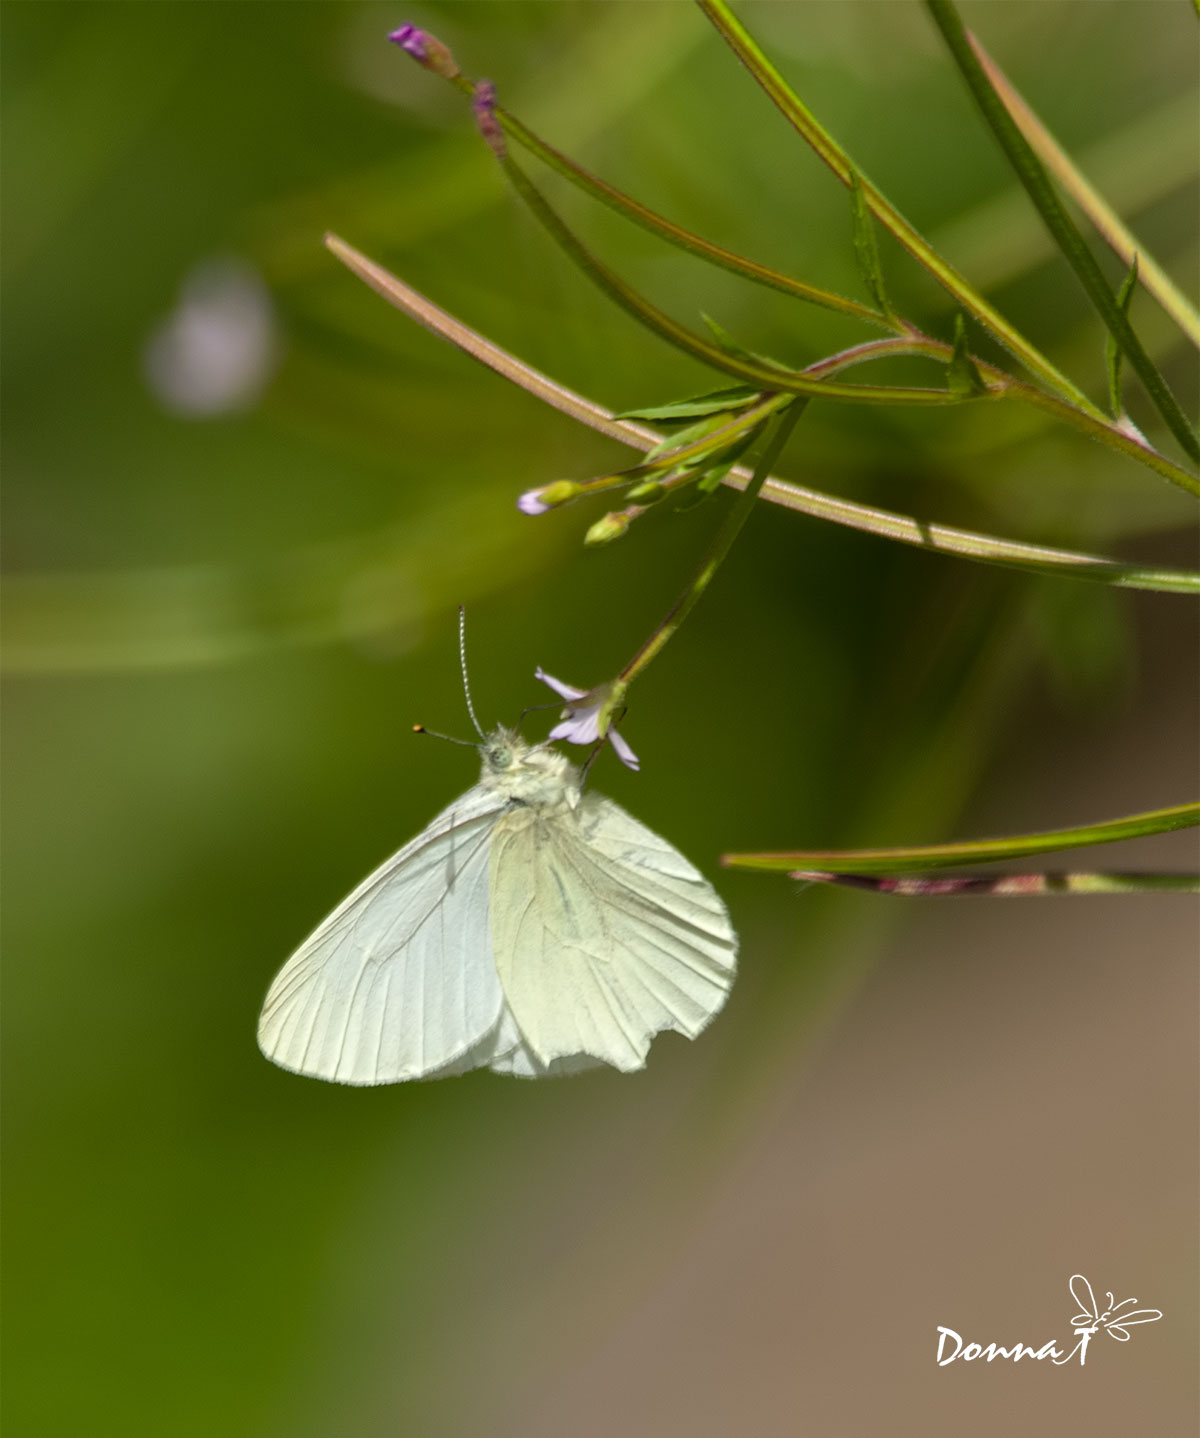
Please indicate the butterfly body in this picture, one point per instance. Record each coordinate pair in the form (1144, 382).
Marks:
(533, 927)
(529, 774)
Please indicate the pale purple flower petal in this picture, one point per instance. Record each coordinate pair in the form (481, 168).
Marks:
(582, 728)
(426, 49)
(623, 751)
(548, 496)
(410, 39)
(582, 713)
(531, 502)
(564, 691)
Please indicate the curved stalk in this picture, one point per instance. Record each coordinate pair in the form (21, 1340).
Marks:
(921, 534)
(978, 851)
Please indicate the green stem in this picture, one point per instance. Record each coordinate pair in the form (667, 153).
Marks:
(666, 230)
(738, 38)
(1085, 417)
(768, 377)
(719, 439)
(712, 443)
(1064, 230)
(884, 523)
(1003, 385)
(719, 548)
(979, 851)
(684, 239)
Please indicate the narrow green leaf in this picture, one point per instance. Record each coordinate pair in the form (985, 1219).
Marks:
(710, 481)
(1062, 227)
(713, 475)
(700, 430)
(738, 350)
(963, 375)
(1112, 350)
(716, 401)
(980, 851)
(866, 250)
(650, 491)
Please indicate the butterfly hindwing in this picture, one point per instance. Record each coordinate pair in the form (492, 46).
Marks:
(604, 936)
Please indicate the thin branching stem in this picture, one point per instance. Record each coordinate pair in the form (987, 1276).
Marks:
(720, 547)
(747, 50)
(920, 533)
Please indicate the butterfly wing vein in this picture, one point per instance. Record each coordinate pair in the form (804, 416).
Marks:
(533, 939)
(604, 936)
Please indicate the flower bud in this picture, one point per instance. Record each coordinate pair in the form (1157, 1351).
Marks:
(549, 496)
(647, 492)
(427, 50)
(483, 103)
(611, 527)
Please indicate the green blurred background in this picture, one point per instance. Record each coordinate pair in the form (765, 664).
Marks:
(231, 592)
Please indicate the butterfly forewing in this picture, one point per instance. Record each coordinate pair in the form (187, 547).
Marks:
(400, 980)
(604, 936)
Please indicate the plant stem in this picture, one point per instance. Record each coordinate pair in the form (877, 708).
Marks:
(684, 239)
(884, 523)
(719, 548)
(979, 851)
(766, 376)
(738, 38)
(1064, 230)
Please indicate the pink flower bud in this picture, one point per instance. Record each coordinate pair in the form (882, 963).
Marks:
(484, 105)
(427, 50)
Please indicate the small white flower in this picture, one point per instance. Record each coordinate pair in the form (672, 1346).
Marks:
(587, 716)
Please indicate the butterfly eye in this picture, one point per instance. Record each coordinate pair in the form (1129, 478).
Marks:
(501, 758)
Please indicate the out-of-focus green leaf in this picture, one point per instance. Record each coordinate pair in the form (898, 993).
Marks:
(734, 347)
(963, 375)
(866, 249)
(1112, 350)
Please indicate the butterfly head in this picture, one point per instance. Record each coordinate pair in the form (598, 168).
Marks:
(527, 773)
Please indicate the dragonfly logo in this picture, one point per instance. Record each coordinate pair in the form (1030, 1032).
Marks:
(1115, 1319)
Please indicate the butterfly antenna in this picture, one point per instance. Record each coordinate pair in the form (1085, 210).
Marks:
(449, 738)
(462, 659)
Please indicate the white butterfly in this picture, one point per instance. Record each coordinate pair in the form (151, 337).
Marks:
(533, 928)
